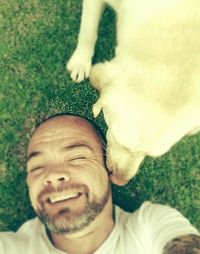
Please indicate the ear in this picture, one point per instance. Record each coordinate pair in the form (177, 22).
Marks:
(97, 108)
(100, 75)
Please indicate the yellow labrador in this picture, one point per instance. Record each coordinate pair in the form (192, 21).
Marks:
(150, 91)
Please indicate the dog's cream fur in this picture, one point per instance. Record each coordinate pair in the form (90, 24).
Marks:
(150, 91)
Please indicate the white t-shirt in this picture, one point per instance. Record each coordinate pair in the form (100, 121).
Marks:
(147, 230)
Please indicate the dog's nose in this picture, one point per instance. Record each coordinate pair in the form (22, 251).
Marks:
(117, 176)
(118, 180)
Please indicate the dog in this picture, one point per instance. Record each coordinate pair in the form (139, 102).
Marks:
(150, 90)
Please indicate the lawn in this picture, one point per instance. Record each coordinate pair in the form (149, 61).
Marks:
(37, 38)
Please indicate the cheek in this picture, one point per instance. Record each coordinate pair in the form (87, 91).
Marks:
(94, 176)
(100, 180)
(33, 187)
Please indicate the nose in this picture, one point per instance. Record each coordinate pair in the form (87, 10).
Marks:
(55, 177)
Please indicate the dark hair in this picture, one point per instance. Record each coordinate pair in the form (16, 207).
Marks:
(96, 128)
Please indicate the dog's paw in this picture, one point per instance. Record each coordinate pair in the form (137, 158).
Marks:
(79, 66)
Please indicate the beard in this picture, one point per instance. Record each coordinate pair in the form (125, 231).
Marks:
(66, 220)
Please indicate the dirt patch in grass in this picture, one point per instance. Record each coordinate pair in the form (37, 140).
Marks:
(2, 169)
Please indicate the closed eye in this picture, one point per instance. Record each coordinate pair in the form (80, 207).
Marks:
(78, 158)
(36, 169)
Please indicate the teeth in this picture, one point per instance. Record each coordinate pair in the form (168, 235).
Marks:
(61, 197)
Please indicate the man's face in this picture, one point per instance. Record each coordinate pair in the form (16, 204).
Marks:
(68, 183)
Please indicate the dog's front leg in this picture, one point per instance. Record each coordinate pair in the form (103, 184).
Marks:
(79, 64)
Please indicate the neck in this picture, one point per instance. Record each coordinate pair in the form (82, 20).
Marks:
(90, 238)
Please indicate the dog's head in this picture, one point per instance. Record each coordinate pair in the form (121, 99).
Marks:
(137, 125)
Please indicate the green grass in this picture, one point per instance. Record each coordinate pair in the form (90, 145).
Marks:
(37, 38)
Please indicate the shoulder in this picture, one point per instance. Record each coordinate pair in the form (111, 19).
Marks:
(157, 223)
(142, 217)
(21, 238)
(147, 210)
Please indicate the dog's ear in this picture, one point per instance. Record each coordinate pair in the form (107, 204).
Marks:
(96, 109)
(100, 75)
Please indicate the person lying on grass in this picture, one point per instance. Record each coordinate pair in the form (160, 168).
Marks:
(70, 191)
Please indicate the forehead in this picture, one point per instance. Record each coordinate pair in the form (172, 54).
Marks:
(64, 128)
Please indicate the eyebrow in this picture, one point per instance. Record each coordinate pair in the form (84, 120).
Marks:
(32, 155)
(65, 148)
(75, 146)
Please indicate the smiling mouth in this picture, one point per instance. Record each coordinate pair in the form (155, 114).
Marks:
(56, 198)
